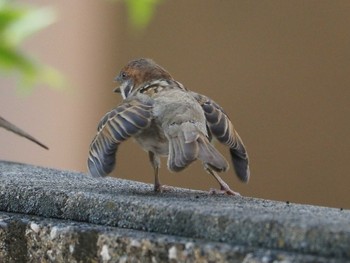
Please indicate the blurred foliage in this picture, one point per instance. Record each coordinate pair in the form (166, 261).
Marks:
(140, 12)
(18, 22)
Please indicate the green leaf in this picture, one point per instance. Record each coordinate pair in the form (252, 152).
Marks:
(17, 23)
(26, 24)
(11, 59)
(30, 72)
(140, 12)
(43, 75)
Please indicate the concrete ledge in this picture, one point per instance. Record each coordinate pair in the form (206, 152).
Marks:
(26, 238)
(174, 224)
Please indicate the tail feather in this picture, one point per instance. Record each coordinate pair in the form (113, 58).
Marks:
(210, 156)
(183, 147)
(190, 150)
(186, 144)
(181, 153)
(178, 160)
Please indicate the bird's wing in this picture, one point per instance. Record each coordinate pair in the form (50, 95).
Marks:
(220, 126)
(115, 127)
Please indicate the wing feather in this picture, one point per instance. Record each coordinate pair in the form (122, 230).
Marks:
(221, 127)
(115, 127)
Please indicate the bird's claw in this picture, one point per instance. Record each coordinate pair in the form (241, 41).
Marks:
(214, 191)
(161, 188)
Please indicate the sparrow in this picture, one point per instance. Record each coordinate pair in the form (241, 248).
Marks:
(10, 127)
(166, 119)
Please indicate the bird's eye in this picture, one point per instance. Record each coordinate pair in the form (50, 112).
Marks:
(124, 75)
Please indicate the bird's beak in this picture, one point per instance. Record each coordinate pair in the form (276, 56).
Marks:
(117, 79)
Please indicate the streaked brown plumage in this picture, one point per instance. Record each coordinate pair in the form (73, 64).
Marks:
(10, 127)
(166, 119)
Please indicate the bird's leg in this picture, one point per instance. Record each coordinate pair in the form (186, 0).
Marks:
(224, 188)
(155, 162)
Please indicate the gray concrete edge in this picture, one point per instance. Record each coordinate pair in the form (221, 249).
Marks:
(54, 240)
(234, 221)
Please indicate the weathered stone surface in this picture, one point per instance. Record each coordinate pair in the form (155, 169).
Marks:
(53, 240)
(256, 226)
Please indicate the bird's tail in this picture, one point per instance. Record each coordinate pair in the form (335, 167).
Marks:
(210, 156)
(187, 143)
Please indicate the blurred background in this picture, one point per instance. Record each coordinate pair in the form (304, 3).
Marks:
(280, 69)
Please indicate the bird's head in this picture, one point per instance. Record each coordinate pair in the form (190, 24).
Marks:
(138, 72)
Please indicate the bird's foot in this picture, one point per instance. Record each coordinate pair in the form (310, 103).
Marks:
(226, 191)
(161, 188)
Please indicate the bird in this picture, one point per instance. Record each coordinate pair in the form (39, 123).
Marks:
(167, 120)
(11, 127)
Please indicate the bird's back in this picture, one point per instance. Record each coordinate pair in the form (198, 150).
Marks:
(178, 128)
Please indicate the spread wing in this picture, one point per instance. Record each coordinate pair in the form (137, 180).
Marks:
(220, 126)
(115, 127)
